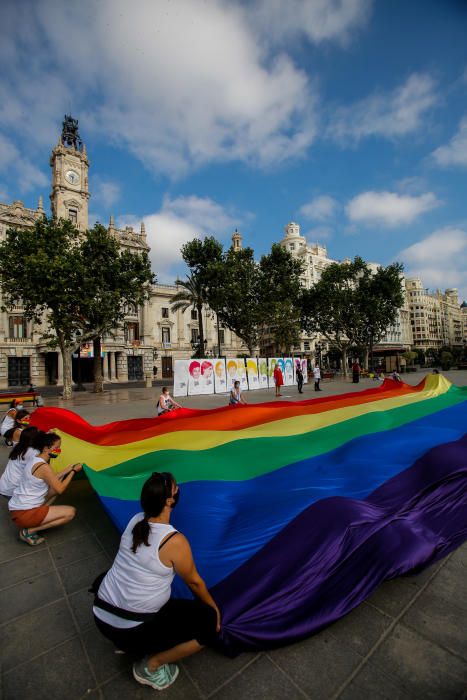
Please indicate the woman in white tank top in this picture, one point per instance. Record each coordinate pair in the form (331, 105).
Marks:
(133, 606)
(38, 486)
(17, 461)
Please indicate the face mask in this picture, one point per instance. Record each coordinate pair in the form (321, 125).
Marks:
(55, 453)
(175, 497)
(19, 407)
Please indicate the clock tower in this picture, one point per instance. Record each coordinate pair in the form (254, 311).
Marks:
(69, 162)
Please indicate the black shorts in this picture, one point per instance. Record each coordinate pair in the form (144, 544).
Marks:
(177, 622)
(9, 433)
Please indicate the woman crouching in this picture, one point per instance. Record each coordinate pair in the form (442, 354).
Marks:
(133, 607)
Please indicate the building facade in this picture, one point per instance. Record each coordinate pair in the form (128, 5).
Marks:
(151, 336)
(437, 318)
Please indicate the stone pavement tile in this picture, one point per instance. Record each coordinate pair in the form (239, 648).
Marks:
(10, 544)
(459, 557)
(82, 573)
(34, 633)
(209, 669)
(65, 533)
(360, 629)
(318, 665)
(421, 667)
(105, 662)
(61, 673)
(370, 683)
(34, 563)
(441, 618)
(124, 687)
(109, 538)
(28, 595)
(80, 548)
(81, 604)
(261, 680)
(392, 596)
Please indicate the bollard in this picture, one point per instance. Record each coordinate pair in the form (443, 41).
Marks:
(148, 378)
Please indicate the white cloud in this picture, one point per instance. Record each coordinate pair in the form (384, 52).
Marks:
(320, 208)
(319, 233)
(318, 20)
(11, 162)
(455, 152)
(178, 221)
(105, 192)
(440, 259)
(389, 208)
(390, 115)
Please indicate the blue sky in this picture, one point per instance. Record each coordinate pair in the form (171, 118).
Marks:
(347, 116)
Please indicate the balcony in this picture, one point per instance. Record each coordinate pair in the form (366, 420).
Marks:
(16, 341)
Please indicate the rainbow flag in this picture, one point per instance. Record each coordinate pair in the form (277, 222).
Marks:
(295, 511)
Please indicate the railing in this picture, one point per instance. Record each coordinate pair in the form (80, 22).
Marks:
(19, 340)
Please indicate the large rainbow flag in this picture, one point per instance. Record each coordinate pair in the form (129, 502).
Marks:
(295, 511)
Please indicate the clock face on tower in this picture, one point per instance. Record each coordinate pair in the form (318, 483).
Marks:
(72, 176)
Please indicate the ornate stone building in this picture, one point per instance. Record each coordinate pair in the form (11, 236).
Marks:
(436, 317)
(152, 336)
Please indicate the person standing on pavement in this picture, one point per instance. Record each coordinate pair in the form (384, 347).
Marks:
(299, 375)
(133, 605)
(278, 379)
(317, 377)
(356, 369)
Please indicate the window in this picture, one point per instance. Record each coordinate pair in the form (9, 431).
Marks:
(222, 337)
(194, 335)
(165, 312)
(73, 216)
(194, 315)
(166, 336)
(306, 345)
(18, 327)
(131, 332)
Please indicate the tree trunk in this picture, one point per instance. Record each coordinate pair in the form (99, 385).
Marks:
(365, 359)
(97, 366)
(67, 379)
(344, 361)
(199, 308)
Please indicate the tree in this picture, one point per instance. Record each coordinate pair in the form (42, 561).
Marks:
(379, 297)
(193, 293)
(203, 258)
(114, 278)
(331, 306)
(42, 269)
(234, 295)
(279, 298)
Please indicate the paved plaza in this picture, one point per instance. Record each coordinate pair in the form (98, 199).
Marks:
(408, 640)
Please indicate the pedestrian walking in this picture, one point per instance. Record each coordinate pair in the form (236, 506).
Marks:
(299, 376)
(356, 369)
(317, 377)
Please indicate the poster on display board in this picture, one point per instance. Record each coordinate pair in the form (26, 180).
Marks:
(236, 371)
(288, 372)
(220, 377)
(252, 372)
(181, 378)
(272, 362)
(201, 377)
(298, 362)
(263, 373)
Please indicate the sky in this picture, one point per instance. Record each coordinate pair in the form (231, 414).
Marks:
(348, 117)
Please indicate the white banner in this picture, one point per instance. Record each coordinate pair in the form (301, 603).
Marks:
(272, 362)
(305, 371)
(220, 377)
(236, 371)
(201, 377)
(181, 377)
(252, 373)
(289, 378)
(263, 373)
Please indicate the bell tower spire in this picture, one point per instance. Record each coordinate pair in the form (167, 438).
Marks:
(69, 162)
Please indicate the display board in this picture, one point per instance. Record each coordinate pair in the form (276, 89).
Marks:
(252, 373)
(220, 377)
(181, 377)
(201, 377)
(272, 362)
(288, 372)
(298, 362)
(236, 371)
(263, 373)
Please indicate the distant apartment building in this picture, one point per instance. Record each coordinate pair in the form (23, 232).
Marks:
(437, 318)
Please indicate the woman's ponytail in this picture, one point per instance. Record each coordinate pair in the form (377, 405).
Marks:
(156, 490)
(140, 534)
